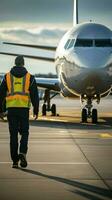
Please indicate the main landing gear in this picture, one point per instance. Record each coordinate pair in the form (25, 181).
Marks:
(89, 112)
(47, 107)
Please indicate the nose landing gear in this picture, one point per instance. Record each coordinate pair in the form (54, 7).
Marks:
(84, 115)
(88, 112)
(94, 116)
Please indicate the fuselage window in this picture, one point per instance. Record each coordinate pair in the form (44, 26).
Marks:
(71, 44)
(84, 43)
(103, 43)
(67, 43)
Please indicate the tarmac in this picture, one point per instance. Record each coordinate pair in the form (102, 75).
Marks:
(67, 159)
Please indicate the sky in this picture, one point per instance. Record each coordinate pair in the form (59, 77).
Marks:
(43, 22)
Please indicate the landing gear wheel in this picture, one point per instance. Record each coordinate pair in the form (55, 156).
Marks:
(44, 110)
(94, 116)
(84, 115)
(53, 110)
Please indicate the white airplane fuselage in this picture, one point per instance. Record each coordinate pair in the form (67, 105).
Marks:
(84, 61)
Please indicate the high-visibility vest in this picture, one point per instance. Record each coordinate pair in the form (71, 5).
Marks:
(18, 91)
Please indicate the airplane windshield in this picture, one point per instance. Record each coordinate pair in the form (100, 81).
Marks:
(71, 44)
(67, 43)
(84, 43)
(88, 43)
(103, 43)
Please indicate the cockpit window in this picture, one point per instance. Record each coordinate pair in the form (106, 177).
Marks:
(67, 43)
(84, 43)
(103, 43)
(71, 44)
(88, 43)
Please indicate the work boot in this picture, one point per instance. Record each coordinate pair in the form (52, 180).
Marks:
(15, 164)
(23, 161)
(2, 116)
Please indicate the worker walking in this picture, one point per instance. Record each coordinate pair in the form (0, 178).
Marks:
(20, 90)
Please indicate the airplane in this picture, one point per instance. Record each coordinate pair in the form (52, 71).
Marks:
(1, 77)
(83, 64)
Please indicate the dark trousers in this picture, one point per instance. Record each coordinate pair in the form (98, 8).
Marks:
(18, 119)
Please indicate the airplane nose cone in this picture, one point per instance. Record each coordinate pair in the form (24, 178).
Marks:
(94, 82)
(91, 82)
(92, 58)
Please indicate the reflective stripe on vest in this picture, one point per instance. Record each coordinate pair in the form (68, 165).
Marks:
(18, 91)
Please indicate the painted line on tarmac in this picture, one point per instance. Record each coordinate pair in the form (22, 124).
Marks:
(106, 135)
(52, 163)
(54, 119)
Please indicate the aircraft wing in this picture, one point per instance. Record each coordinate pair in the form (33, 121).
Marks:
(29, 56)
(49, 83)
(51, 48)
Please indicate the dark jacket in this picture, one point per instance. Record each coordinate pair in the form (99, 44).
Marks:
(20, 72)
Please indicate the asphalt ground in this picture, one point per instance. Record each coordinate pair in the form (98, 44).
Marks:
(67, 159)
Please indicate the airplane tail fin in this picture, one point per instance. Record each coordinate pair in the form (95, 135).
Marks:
(75, 14)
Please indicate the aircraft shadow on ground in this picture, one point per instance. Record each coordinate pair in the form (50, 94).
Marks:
(81, 189)
(104, 123)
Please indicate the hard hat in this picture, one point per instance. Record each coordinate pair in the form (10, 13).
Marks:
(19, 60)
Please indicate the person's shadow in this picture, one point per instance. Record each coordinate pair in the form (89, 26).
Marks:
(81, 189)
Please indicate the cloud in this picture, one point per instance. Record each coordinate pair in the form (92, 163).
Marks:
(36, 35)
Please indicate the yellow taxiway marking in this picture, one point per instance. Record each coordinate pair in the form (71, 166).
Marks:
(52, 163)
(53, 119)
(106, 135)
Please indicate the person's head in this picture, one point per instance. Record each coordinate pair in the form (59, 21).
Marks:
(19, 61)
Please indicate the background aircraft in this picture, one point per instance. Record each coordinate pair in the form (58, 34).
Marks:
(83, 64)
(1, 77)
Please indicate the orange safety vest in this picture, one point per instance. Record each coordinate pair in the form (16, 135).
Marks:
(18, 91)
